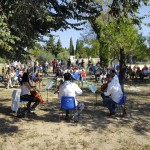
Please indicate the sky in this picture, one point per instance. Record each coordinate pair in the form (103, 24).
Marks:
(67, 34)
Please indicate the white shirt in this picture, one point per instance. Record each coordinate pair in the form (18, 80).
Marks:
(114, 89)
(69, 89)
(25, 89)
(116, 78)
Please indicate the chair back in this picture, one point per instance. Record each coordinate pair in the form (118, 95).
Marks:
(67, 103)
(15, 100)
(123, 99)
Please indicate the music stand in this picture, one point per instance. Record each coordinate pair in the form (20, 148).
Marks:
(49, 86)
(93, 89)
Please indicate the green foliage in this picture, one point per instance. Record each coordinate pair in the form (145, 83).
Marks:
(58, 48)
(50, 44)
(44, 56)
(2, 60)
(71, 47)
(7, 40)
(81, 49)
(64, 55)
(142, 52)
(28, 20)
(77, 46)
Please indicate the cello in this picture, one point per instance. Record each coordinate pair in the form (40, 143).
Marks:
(37, 95)
(104, 87)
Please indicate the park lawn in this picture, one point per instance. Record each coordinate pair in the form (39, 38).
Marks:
(95, 131)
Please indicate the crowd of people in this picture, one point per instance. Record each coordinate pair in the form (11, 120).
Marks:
(137, 72)
(28, 75)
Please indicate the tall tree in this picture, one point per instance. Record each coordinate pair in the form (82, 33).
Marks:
(77, 46)
(71, 47)
(58, 48)
(50, 44)
(81, 49)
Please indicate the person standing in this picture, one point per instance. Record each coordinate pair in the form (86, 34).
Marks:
(68, 64)
(54, 65)
(83, 76)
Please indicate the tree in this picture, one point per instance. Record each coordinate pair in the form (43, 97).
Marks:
(81, 49)
(63, 55)
(58, 48)
(119, 12)
(50, 44)
(28, 20)
(44, 56)
(142, 52)
(7, 40)
(71, 47)
(77, 47)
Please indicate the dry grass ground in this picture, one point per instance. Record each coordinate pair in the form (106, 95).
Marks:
(95, 131)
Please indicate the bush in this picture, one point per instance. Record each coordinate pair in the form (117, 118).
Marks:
(2, 60)
(44, 56)
(64, 55)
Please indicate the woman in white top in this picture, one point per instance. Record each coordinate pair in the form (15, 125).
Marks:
(25, 90)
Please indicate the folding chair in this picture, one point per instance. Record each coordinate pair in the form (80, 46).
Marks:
(120, 107)
(18, 105)
(68, 103)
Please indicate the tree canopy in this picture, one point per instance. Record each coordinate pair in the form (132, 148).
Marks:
(28, 20)
(23, 22)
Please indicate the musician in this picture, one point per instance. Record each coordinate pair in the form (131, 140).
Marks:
(114, 93)
(26, 88)
(69, 88)
(105, 85)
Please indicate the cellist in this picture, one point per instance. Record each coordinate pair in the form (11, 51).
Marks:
(114, 91)
(26, 88)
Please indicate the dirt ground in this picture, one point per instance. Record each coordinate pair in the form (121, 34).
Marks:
(95, 131)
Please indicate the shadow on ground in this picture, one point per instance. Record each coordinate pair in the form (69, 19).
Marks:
(93, 117)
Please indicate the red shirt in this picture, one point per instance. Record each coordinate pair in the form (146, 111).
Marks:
(83, 74)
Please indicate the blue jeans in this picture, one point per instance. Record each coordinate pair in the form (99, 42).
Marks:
(110, 104)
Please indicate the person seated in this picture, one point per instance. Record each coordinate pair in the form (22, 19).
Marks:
(26, 88)
(113, 94)
(68, 88)
(98, 73)
(128, 72)
(133, 72)
(145, 71)
(139, 73)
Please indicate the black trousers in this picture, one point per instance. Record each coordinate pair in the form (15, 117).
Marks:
(30, 99)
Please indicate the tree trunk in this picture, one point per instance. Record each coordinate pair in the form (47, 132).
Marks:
(122, 68)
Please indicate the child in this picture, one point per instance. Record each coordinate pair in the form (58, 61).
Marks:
(83, 76)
